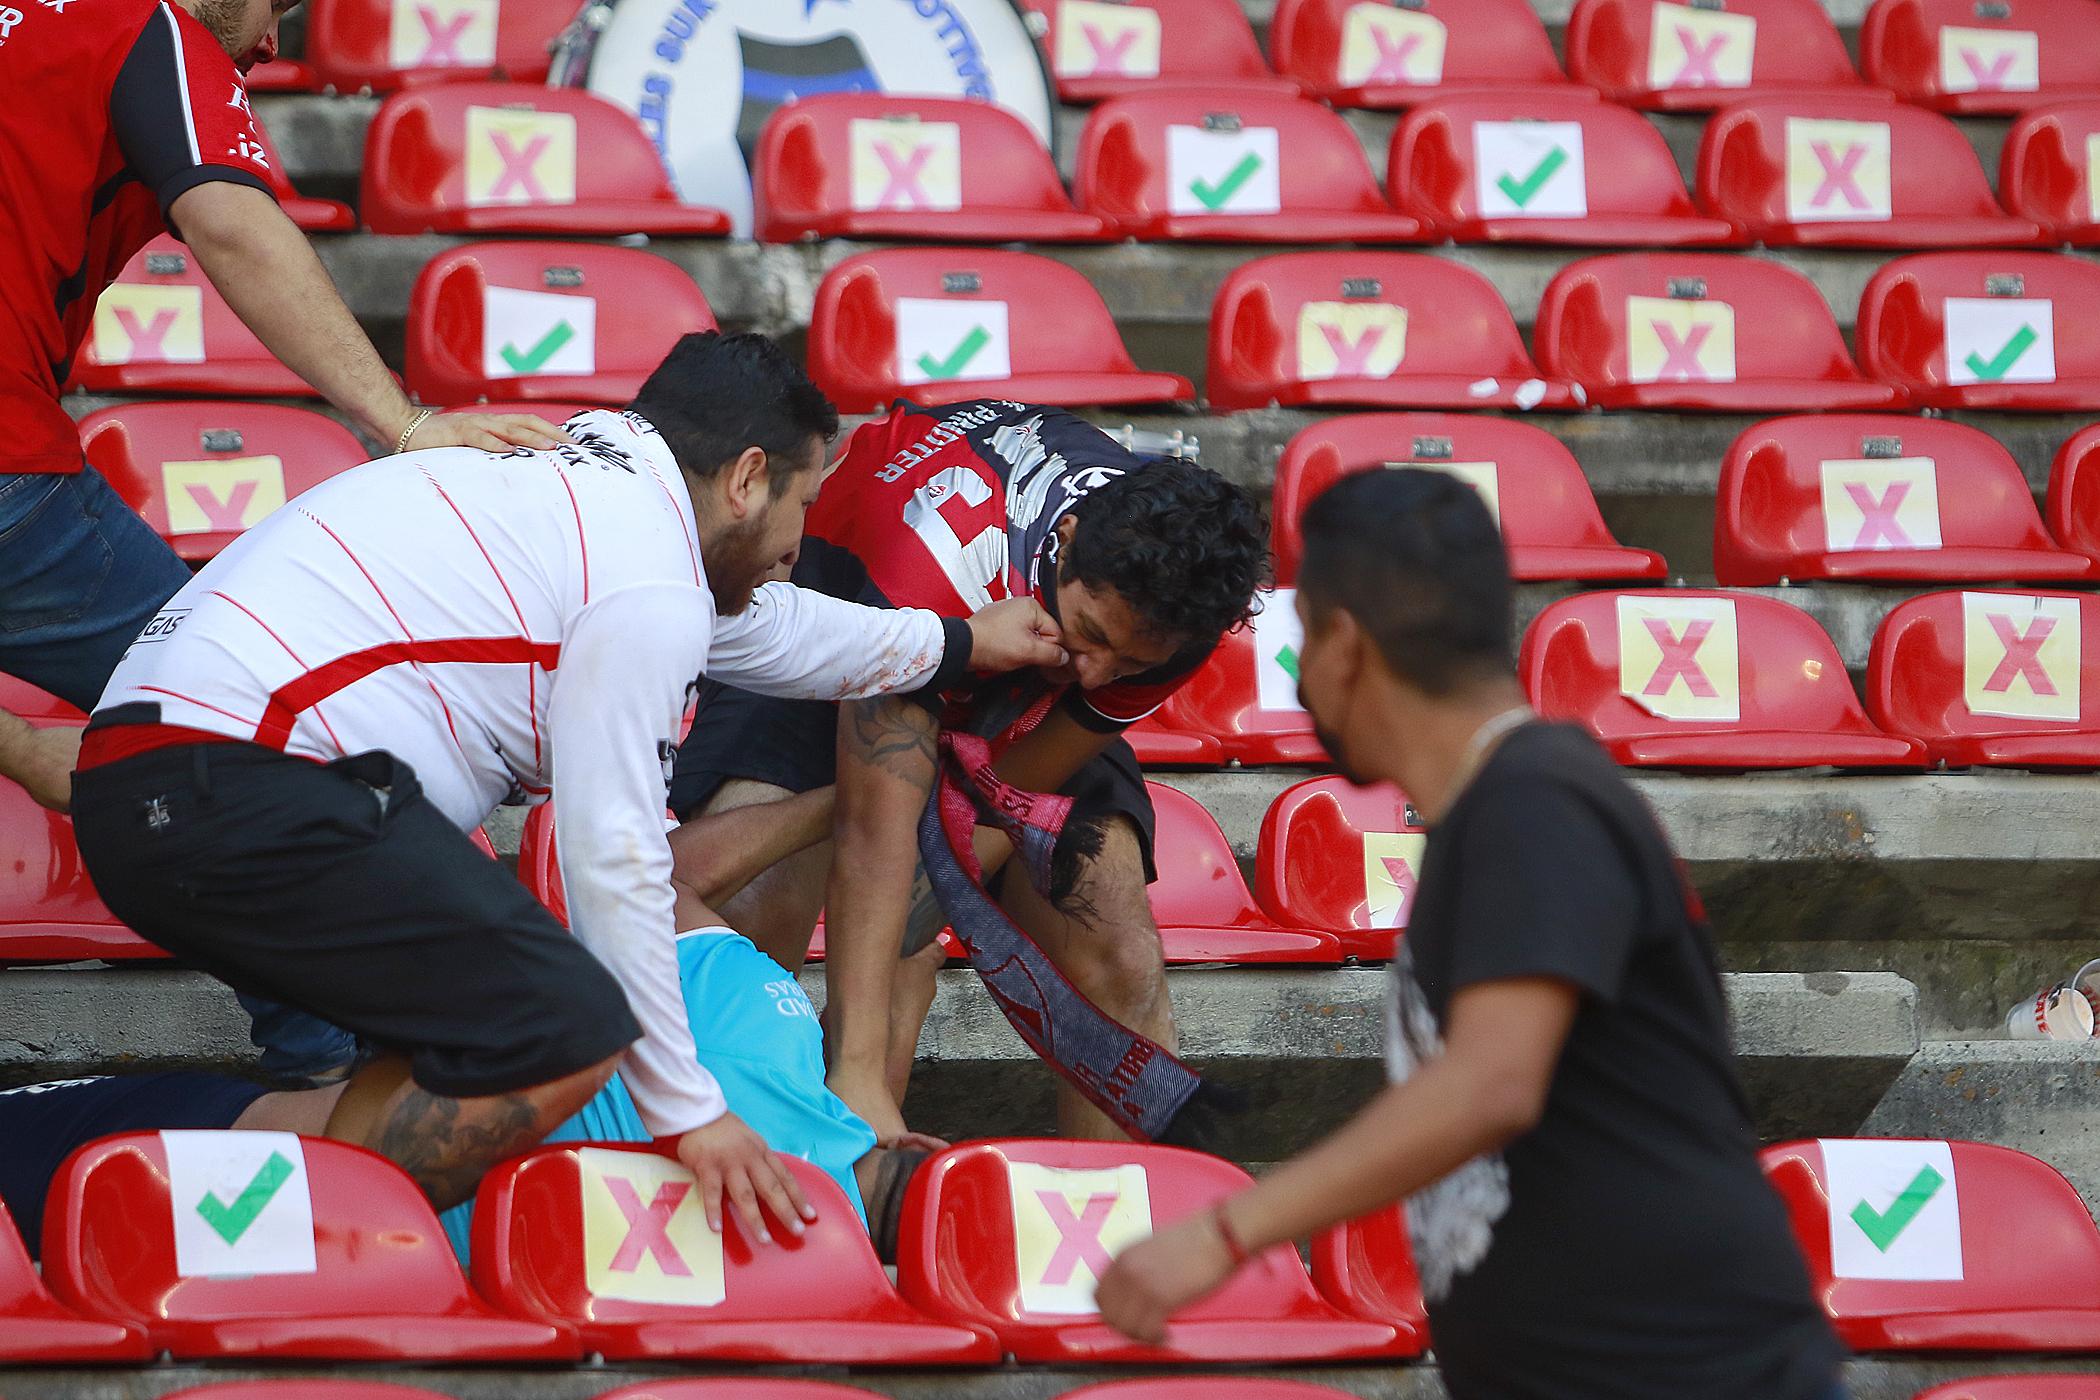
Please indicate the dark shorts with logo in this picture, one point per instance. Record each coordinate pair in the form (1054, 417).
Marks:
(341, 890)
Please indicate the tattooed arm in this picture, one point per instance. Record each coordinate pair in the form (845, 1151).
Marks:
(886, 757)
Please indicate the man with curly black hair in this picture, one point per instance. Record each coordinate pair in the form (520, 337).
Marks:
(1145, 564)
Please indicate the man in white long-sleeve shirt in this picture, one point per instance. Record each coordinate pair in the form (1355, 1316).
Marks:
(279, 781)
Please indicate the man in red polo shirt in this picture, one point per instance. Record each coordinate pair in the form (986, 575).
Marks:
(121, 119)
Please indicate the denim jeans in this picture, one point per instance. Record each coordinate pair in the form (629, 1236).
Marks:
(80, 574)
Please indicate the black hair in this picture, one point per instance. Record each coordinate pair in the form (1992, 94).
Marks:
(1184, 547)
(1415, 558)
(715, 395)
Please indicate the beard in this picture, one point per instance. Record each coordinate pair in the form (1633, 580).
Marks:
(226, 19)
(735, 568)
(1332, 742)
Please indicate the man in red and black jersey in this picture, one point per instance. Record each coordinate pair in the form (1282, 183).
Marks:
(120, 119)
(1144, 564)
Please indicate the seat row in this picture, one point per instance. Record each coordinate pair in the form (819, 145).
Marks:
(1663, 54)
(1555, 166)
(1703, 331)
(584, 1248)
(1213, 1387)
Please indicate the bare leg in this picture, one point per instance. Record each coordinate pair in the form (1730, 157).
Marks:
(304, 1111)
(911, 997)
(778, 909)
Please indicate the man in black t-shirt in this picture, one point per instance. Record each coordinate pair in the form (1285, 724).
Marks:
(1564, 1118)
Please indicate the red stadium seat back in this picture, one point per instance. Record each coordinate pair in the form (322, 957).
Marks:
(1671, 56)
(1692, 678)
(201, 472)
(1246, 694)
(1098, 49)
(1875, 497)
(36, 1328)
(1982, 55)
(1544, 167)
(2050, 170)
(1231, 167)
(2026, 1387)
(1376, 329)
(1942, 1246)
(1358, 54)
(1203, 1388)
(750, 1387)
(557, 321)
(267, 1244)
(934, 325)
(384, 44)
(1531, 482)
(870, 165)
(163, 328)
(614, 1242)
(1985, 330)
(1856, 173)
(1200, 900)
(1996, 678)
(1343, 858)
(25, 701)
(304, 1389)
(1013, 1236)
(1157, 743)
(511, 158)
(1366, 1267)
(282, 74)
(1706, 331)
(2074, 494)
(313, 215)
(539, 864)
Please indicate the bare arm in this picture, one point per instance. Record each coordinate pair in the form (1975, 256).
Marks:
(41, 760)
(715, 855)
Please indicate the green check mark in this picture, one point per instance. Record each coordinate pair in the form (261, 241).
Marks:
(960, 356)
(1288, 660)
(526, 362)
(232, 1221)
(1214, 197)
(1998, 364)
(1520, 192)
(1882, 1226)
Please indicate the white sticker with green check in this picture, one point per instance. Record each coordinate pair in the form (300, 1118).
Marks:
(1894, 1213)
(940, 339)
(1278, 638)
(241, 1204)
(2000, 340)
(1530, 170)
(1223, 172)
(526, 333)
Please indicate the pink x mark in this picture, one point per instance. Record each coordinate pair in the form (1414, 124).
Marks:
(1878, 517)
(1078, 1237)
(648, 1227)
(218, 514)
(1681, 356)
(444, 37)
(1403, 878)
(1392, 58)
(1840, 175)
(2022, 655)
(146, 340)
(903, 190)
(519, 167)
(1680, 657)
(1109, 54)
(1699, 59)
(1352, 358)
(1989, 79)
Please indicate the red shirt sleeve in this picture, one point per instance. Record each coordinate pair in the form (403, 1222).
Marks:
(180, 111)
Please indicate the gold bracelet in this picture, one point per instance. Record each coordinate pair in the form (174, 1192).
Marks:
(410, 431)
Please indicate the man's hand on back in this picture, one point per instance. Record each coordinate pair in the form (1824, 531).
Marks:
(1010, 635)
(491, 432)
(731, 1160)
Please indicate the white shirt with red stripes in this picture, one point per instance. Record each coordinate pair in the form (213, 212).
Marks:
(495, 621)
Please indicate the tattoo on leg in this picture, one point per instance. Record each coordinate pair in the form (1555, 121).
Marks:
(926, 916)
(896, 736)
(447, 1149)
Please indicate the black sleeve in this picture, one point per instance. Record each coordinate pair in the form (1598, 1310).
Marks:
(180, 113)
(1548, 891)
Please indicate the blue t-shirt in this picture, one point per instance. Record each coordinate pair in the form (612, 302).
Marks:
(756, 1032)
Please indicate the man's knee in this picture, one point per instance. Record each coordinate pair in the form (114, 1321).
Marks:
(1111, 944)
(561, 1099)
(743, 792)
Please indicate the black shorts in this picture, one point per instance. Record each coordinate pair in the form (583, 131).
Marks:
(341, 890)
(793, 744)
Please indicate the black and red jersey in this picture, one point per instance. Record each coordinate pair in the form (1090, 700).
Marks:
(109, 110)
(955, 507)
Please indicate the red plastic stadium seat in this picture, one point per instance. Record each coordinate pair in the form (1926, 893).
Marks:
(934, 325)
(1691, 678)
(750, 1387)
(313, 215)
(866, 165)
(1546, 167)
(305, 1388)
(1200, 901)
(25, 701)
(1358, 54)
(282, 74)
(2020, 1243)
(1343, 858)
(1861, 173)
(612, 1241)
(2074, 493)
(1366, 1267)
(509, 158)
(36, 1328)
(1876, 498)
(1969, 56)
(1231, 167)
(163, 328)
(1013, 1236)
(1985, 330)
(1247, 703)
(1203, 1388)
(552, 321)
(379, 1281)
(385, 44)
(1391, 330)
(1681, 57)
(1158, 744)
(1107, 48)
(1532, 483)
(2050, 170)
(202, 472)
(1710, 331)
(1998, 678)
(2027, 1387)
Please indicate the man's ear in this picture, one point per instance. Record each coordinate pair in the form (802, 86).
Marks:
(746, 483)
